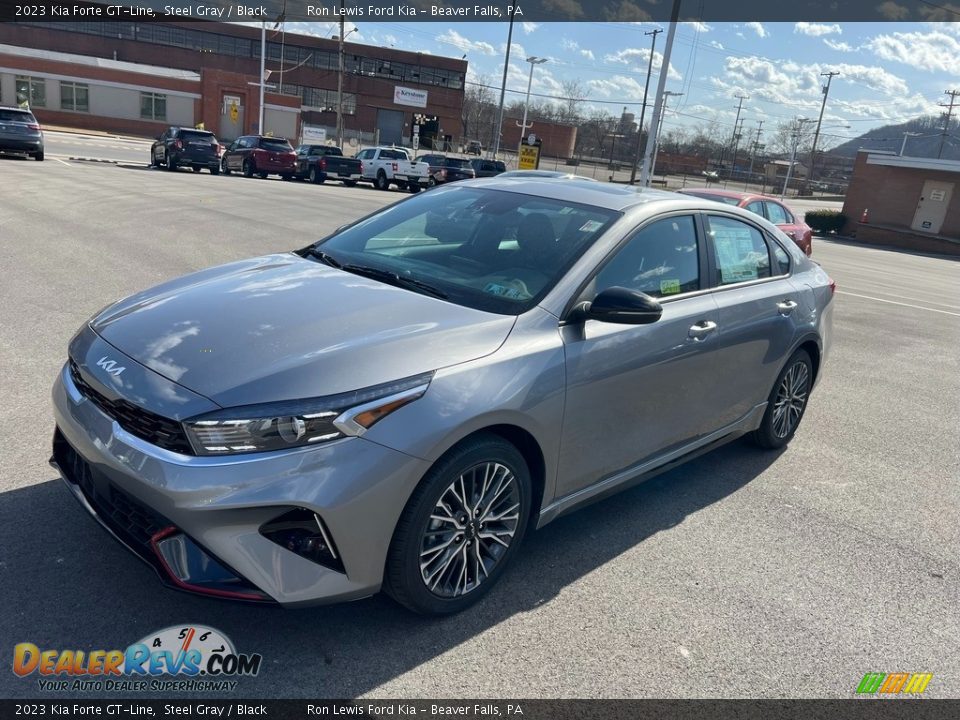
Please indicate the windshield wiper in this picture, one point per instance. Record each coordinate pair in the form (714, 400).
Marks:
(393, 278)
(323, 257)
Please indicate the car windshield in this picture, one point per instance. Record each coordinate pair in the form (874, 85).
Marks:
(716, 198)
(457, 163)
(276, 145)
(487, 249)
(16, 116)
(197, 138)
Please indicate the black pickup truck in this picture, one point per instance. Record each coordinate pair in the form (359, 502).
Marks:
(318, 163)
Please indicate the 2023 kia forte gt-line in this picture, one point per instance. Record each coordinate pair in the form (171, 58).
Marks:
(395, 406)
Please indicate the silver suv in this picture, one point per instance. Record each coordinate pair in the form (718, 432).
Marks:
(396, 405)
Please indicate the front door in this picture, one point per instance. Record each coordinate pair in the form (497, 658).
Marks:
(932, 208)
(635, 391)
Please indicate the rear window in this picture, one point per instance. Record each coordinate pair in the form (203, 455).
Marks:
(392, 155)
(194, 136)
(17, 116)
(715, 198)
(277, 145)
(457, 163)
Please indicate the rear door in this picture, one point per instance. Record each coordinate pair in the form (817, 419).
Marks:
(758, 308)
(636, 391)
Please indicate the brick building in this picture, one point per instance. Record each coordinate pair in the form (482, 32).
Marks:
(386, 91)
(909, 202)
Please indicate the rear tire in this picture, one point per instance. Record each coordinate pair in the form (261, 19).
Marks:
(224, 167)
(248, 168)
(486, 469)
(350, 183)
(215, 170)
(263, 175)
(171, 163)
(414, 187)
(381, 182)
(316, 177)
(787, 403)
(197, 168)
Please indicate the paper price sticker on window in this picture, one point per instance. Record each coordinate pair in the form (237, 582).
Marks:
(669, 287)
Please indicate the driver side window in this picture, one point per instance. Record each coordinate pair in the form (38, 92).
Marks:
(661, 260)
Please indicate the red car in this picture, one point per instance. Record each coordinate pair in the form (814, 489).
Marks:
(260, 155)
(766, 207)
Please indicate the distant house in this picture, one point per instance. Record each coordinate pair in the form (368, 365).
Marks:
(904, 201)
(777, 170)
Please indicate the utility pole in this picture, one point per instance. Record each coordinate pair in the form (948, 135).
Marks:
(753, 153)
(946, 120)
(657, 103)
(503, 89)
(643, 108)
(737, 134)
(816, 135)
(903, 145)
(798, 131)
(736, 130)
(340, 80)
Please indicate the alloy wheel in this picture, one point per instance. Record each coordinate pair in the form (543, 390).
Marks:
(791, 399)
(470, 530)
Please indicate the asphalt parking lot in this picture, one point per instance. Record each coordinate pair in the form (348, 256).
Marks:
(741, 574)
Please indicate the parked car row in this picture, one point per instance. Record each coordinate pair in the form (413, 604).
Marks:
(263, 155)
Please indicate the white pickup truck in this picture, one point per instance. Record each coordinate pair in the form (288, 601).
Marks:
(386, 166)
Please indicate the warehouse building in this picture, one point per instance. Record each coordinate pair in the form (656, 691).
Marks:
(141, 77)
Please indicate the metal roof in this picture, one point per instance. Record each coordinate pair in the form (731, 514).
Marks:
(91, 61)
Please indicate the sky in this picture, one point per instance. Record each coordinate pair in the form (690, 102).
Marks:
(889, 72)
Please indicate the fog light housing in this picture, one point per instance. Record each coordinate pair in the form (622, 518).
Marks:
(303, 533)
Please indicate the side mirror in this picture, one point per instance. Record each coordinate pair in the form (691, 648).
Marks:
(622, 305)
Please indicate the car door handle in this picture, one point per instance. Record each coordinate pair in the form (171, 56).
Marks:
(702, 329)
(786, 307)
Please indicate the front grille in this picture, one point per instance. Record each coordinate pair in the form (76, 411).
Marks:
(146, 425)
(133, 522)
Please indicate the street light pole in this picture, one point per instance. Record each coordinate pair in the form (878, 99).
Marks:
(263, 72)
(661, 87)
(903, 145)
(533, 60)
(340, 80)
(643, 108)
(503, 89)
(656, 146)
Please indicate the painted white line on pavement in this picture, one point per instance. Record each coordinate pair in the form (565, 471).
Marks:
(61, 162)
(917, 307)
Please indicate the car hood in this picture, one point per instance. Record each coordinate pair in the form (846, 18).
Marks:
(282, 327)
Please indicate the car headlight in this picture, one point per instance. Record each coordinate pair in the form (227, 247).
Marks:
(282, 425)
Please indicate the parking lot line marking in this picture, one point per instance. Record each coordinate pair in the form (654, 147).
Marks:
(893, 302)
(62, 162)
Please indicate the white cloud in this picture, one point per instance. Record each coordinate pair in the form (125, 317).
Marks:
(588, 54)
(639, 58)
(759, 29)
(717, 45)
(529, 27)
(875, 78)
(838, 45)
(617, 87)
(923, 51)
(452, 37)
(700, 27)
(322, 29)
(568, 44)
(817, 29)
(516, 50)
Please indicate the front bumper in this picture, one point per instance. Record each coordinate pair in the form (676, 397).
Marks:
(144, 494)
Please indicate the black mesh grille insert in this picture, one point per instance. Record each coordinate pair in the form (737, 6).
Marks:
(146, 425)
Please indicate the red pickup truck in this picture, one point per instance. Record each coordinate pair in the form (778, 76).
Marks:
(260, 155)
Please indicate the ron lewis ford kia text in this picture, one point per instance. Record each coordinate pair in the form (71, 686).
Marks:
(395, 406)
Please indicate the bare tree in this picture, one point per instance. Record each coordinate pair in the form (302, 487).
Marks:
(478, 113)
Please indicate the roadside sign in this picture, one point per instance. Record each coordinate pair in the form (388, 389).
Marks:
(313, 134)
(234, 112)
(529, 158)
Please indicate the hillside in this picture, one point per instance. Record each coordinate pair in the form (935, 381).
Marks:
(890, 137)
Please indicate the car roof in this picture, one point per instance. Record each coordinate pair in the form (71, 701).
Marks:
(610, 196)
(14, 107)
(716, 192)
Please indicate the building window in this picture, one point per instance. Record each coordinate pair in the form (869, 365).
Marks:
(153, 106)
(31, 91)
(74, 96)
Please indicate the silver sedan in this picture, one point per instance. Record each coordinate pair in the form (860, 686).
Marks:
(395, 406)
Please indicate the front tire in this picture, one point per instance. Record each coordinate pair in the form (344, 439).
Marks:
(316, 177)
(787, 403)
(413, 187)
(350, 183)
(215, 170)
(248, 168)
(171, 163)
(38, 156)
(197, 168)
(460, 528)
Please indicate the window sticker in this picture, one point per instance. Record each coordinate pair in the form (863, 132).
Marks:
(591, 226)
(511, 293)
(670, 287)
